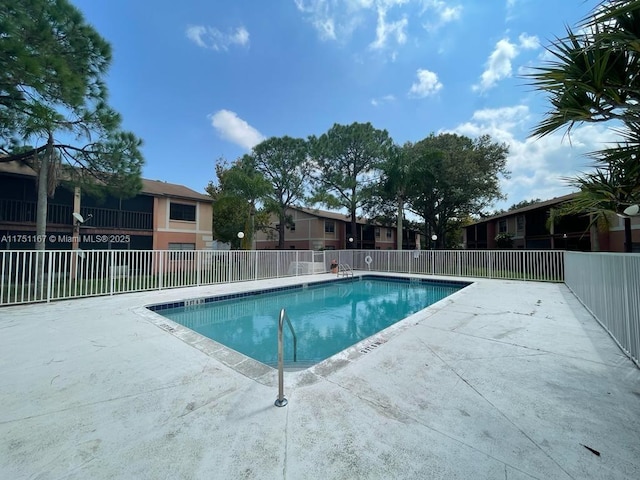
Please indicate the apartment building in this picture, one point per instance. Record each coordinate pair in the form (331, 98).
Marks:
(162, 216)
(529, 228)
(313, 229)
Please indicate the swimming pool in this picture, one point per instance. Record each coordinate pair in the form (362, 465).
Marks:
(327, 317)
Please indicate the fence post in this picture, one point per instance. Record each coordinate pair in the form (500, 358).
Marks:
(49, 254)
(111, 278)
(160, 269)
(255, 255)
(199, 267)
(490, 262)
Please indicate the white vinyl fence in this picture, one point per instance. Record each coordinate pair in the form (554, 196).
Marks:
(608, 284)
(543, 265)
(32, 276)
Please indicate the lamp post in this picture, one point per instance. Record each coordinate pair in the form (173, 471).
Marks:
(434, 239)
(240, 237)
(350, 242)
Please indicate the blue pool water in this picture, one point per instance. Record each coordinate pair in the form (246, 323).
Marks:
(327, 317)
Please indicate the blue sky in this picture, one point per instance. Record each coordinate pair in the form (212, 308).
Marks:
(203, 80)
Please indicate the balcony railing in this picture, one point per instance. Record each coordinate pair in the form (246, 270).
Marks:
(18, 211)
(120, 219)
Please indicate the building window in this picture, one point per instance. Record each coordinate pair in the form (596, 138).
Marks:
(181, 211)
(388, 233)
(502, 226)
(377, 232)
(180, 247)
(520, 223)
(329, 227)
(292, 227)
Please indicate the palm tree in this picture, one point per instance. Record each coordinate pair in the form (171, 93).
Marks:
(595, 77)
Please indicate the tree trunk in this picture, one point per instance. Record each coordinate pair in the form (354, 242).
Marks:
(354, 231)
(628, 244)
(281, 230)
(399, 226)
(595, 236)
(43, 187)
(41, 217)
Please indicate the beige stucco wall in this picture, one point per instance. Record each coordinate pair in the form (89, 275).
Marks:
(168, 231)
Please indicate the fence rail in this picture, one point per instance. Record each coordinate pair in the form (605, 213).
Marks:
(33, 276)
(608, 284)
(37, 276)
(544, 265)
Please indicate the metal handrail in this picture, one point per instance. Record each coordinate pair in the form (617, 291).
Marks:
(345, 269)
(281, 401)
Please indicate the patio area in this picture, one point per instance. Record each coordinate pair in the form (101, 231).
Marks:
(503, 380)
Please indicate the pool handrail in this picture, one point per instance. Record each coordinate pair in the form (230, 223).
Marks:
(345, 269)
(281, 401)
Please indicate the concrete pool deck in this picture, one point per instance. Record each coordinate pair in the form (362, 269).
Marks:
(504, 380)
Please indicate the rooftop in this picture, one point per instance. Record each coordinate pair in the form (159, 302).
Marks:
(525, 387)
(155, 188)
(534, 206)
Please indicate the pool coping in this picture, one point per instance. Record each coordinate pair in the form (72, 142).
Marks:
(268, 375)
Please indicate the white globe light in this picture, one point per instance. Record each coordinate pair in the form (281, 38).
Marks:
(632, 211)
(240, 235)
(434, 237)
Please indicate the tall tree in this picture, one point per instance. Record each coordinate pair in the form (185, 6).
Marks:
(452, 176)
(52, 95)
(240, 188)
(283, 162)
(230, 211)
(594, 76)
(389, 196)
(347, 159)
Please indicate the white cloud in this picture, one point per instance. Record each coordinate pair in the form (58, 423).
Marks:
(236, 130)
(443, 13)
(381, 100)
(427, 84)
(385, 30)
(337, 20)
(214, 39)
(528, 42)
(320, 15)
(539, 166)
(499, 65)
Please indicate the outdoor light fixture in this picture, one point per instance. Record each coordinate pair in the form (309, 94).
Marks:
(240, 235)
(434, 237)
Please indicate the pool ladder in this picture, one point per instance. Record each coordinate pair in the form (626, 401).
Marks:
(281, 401)
(345, 270)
